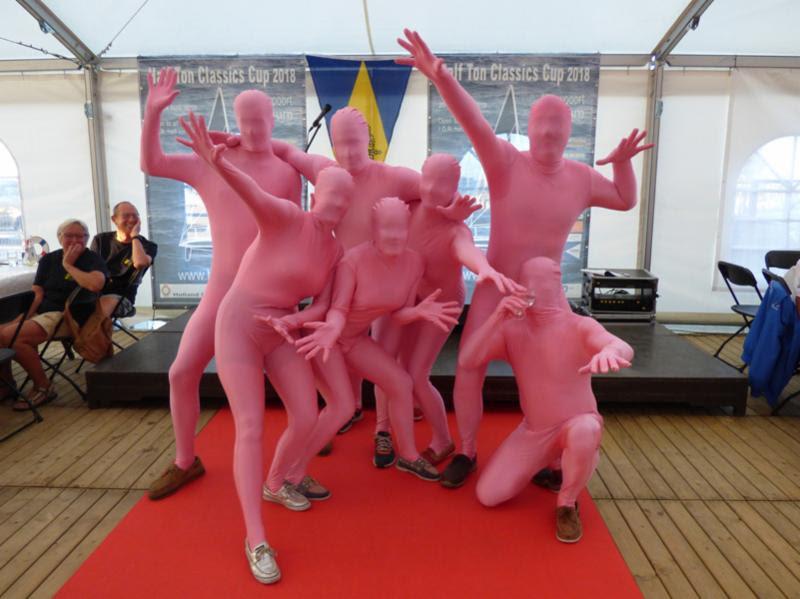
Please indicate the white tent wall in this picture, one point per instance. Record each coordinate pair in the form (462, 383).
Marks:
(694, 126)
(42, 123)
(621, 107)
(119, 93)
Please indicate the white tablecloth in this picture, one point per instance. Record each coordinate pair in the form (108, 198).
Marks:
(14, 279)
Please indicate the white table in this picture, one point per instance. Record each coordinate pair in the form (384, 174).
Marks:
(15, 279)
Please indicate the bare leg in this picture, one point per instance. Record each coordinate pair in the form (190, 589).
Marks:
(27, 348)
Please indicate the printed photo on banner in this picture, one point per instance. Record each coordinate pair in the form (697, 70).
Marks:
(505, 86)
(178, 221)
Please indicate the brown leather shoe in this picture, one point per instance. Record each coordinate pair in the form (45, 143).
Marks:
(437, 458)
(568, 524)
(174, 478)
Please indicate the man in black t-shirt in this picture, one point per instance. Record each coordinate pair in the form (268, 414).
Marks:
(125, 251)
(57, 275)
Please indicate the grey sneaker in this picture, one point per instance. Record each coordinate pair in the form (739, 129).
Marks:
(420, 468)
(287, 496)
(312, 490)
(262, 563)
(384, 452)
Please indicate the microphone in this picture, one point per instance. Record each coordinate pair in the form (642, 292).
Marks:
(325, 110)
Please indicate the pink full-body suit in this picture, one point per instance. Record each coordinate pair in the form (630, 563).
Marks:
(552, 352)
(536, 197)
(293, 257)
(374, 279)
(445, 246)
(373, 180)
(233, 229)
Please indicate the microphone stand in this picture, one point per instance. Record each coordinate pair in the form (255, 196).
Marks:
(315, 126)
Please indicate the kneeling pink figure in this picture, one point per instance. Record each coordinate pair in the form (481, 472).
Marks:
(553, 352)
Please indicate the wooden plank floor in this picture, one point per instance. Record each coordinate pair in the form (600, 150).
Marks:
(699, 503)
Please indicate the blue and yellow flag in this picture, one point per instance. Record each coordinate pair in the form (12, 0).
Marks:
(374, 87)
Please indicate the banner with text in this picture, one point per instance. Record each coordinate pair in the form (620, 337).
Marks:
(178, 221)
(505, 86)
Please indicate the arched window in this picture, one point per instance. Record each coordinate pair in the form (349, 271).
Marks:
(765, 214)
(12, 234)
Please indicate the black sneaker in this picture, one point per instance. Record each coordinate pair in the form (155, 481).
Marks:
(458, 470)
(384, 452)
(357, 416)
(420, 468)
(548, 479)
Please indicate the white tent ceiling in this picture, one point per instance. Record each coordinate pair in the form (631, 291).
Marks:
(180, 27)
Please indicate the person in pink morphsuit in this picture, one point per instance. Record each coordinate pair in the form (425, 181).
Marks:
(232, 231)
(552, 351)
(375, 279)
(373, 180)
(445, 246)
(537, 195)
(292, 257)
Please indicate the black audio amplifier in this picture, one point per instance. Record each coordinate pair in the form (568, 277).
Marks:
(620, 294)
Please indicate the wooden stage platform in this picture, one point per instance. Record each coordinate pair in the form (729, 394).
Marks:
(667, 369)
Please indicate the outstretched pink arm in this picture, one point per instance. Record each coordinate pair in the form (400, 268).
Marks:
(619, 194)
(154, 162)
(609, 353)
(474, 259)
(490, 149)
(308, 165)
(441, 314)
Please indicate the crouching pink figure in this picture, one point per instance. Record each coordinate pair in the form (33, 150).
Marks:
(445, 246)
(374, 279)
(552, 352)
(292, 257)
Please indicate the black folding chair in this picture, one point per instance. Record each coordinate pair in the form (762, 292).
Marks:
(733, 274)
(770, 276)
(784, 259)
(11, 307)
(117, 315)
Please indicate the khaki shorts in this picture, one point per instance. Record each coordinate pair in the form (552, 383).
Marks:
(49, 321)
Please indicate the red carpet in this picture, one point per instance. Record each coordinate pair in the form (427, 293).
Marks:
(383, 533)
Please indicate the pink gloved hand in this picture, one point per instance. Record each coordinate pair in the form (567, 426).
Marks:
(511, 306)
(603, 361)
(440, 314)
(161, 94)
(628, 148)
(222, 137)
(461, 208)
(201, 142)
(283, 325)
(421, 57)
(323, 339)
(504, 284)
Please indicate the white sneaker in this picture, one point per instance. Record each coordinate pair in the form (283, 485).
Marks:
(287, 496)
(262, 563)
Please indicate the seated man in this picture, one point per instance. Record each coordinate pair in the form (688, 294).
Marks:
(57, 276)
(552, 352)
(124, 251)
